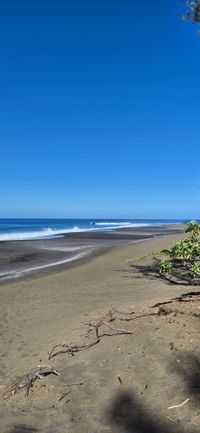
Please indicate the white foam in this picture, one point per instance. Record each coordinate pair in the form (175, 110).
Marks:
(49, 233)
(65, 249)
(105, 223)
(20, 236)
(121, 224)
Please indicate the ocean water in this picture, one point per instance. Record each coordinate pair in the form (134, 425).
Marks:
(25, 229)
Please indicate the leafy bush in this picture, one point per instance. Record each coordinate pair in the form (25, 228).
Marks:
(194, 229)
(184, 256)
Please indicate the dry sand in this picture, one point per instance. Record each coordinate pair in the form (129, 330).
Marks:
(129, 380)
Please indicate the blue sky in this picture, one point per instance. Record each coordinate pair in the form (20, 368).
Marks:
(99, 110)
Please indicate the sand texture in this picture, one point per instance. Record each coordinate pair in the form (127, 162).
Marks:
(126, 382)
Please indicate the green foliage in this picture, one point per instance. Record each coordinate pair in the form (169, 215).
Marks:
(146, 256)
(165, 267)
(185, 250)
(192, 13)
(155, 255)
(193, 228)
(184, 256)
(195, 269)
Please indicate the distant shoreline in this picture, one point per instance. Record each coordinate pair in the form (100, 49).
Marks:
(23, 259)
(42, 229)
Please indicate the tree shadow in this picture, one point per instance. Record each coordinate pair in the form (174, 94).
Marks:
(131, 416)
(188, 368)
(152, 272)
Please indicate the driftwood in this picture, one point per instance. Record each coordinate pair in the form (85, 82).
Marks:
(188, 297)
(134, 314)
(116, 331)
(179, 405)
(111, 316)
(165, 311)
(26, 381)
(59, 349)
(71, 348)
(114, 314)
(138, 316)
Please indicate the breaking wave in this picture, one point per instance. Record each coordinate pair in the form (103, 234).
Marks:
(52, 233)
(45, 233)
(120, 224)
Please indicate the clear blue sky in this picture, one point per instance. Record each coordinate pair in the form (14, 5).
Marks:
(99, 109)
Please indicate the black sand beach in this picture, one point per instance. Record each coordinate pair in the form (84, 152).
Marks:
(20, 259)
(124, 379)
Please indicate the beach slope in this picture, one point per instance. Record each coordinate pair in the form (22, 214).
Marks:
(119, 381)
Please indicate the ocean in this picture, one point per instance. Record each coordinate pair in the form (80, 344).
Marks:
(26, 229)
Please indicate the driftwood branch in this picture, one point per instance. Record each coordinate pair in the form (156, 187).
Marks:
(116, 331)
(26, 381)
(59, 349)
(95, 326)
(188, 297)
(71, 348)
(179, 405)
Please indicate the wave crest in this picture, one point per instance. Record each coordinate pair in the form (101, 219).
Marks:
(50, 233)
(45, 233)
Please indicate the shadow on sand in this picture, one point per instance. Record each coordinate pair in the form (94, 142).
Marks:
(129, 415)
(151, 272)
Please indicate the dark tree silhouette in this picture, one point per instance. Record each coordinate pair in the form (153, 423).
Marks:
(130, 415)
(193, 11)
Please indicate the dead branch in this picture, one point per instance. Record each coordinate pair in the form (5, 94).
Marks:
(119, 379)
(64, 348)
(133, 313)
(71, 349)
(111, 315)
(179, 405)
(64, 395)
(59, 349)
(26, 381)
(117, 331)
(137, 316)
(190, 297)
(165, 311)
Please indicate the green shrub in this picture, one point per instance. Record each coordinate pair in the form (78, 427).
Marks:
(184, 256)
(165, 267)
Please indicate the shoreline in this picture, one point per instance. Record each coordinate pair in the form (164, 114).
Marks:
(23, 259)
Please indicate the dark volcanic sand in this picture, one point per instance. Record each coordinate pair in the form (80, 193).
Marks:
(19, 259)
(158, 365)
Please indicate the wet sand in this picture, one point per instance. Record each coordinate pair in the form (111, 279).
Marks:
(128, 381)
(19, 259)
